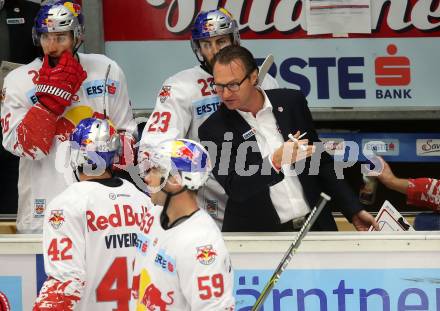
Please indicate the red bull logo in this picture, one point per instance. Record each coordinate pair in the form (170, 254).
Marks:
(206, 254)
(56, 218)
(48, 22)
(39, 207)
(165, 93)
(67, 123)
(209, 26)
(185, 152)
(152, 299)
(181, 150)
(73, 7)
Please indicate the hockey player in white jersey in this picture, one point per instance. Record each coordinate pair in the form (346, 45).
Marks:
(188, 98)
(45, 99)
(182, 261)
(90, 229)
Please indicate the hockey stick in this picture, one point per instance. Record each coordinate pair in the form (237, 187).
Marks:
(291, 251)
(104, 104)
(265, 68)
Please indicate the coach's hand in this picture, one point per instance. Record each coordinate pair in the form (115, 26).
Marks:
(363, 220)
(292, 151)
(56, 85)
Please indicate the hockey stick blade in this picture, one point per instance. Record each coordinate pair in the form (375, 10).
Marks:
(265, 68)
(291, 251)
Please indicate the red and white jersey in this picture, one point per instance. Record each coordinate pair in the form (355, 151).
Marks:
(90, 239)
(44, 168)
(186, 267)
(424, 192)
(185, 101)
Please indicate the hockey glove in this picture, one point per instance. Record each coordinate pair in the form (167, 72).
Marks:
(56, 85)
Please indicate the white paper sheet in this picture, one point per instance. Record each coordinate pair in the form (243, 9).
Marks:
(338, 17)
(389, 219)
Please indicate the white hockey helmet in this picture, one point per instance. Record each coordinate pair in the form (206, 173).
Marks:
(59, 16)
(184, 158)
(211, 24)
(94, 142)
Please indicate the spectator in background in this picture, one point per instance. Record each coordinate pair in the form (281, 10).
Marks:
(267, 199)
(421, 192)
(44, 101)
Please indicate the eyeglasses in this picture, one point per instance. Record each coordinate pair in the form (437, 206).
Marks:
(233, 86)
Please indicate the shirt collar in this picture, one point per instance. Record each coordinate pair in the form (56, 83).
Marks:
(267, 105)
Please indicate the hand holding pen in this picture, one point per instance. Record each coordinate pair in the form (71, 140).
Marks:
(293, 150)
(296, 139)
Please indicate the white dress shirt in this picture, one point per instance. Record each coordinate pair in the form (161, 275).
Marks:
(287, 196)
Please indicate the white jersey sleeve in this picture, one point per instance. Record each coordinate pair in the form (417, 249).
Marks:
(15, 106)
(64, 252)
(206, 275)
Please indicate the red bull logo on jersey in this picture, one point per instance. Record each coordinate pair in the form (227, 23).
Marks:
(123, 216)
(56, 218)
(165, 93)
(152, 298)
(206, 254)
(39, 207)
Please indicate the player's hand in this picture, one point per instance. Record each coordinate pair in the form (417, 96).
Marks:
(56, 85)
(363, 220)
(292, 151)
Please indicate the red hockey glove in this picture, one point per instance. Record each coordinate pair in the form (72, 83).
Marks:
(56, 85)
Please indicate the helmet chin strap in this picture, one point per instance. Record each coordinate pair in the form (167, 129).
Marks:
(164, 219)
(206, 66)
(75, 172)
(77, 46)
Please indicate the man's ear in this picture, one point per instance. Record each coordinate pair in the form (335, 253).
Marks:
(254, 77)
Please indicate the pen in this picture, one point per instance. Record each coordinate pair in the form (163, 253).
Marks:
(296, 140)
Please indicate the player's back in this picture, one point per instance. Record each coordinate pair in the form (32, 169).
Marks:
(112, 216)
(94, 225)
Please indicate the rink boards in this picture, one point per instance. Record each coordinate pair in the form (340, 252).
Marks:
(330, 271)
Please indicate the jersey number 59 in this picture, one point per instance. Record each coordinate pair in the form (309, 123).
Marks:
(209, 286)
